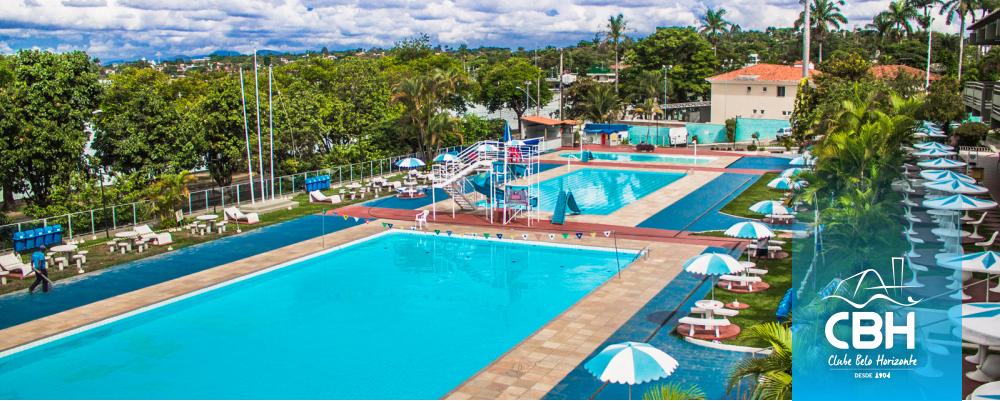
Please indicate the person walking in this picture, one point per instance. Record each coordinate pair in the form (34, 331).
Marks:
(41, 274)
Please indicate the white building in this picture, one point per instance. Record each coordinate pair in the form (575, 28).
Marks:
(765, 91)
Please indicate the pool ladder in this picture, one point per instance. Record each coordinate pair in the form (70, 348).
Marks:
(642, 252)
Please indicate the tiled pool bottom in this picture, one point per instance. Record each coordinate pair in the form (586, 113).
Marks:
(602, 192)
(380, 319)
(645, 157)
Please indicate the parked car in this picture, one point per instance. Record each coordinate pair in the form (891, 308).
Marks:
(785, 132)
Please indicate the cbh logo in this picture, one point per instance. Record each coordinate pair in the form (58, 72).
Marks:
(858, 329)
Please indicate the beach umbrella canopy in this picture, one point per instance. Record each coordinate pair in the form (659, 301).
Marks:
(941, 163)
(769, 207)
(956, 186)
(486, 148)
(631, 363)
(959, 202)
(410, 162)
(932, 145)
(798, 161)
(938, 175)
(515, 142)
(934, 152)
(936, 134)
(749, 229)
(713, 264)
(446, 157)
(791, 171)
(983, 262)
(785, 183)
(919, 134)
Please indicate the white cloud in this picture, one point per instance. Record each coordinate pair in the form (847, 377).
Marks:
(128, 29)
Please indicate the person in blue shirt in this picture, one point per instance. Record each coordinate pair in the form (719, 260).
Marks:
(41, 274)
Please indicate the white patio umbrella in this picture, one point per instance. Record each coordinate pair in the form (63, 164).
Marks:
(955, 186)
(749, 229)
(934, 152)
(515, 142)
(798, 161)
(486, 148)
(938, 175)
(932, 145)
(959, 202)
(941, 163)
(631, 363)
(981, 262)
(785, 183)
(410, 162)
(446, 158)
(713, 264)
(769, 207)
(788, 172)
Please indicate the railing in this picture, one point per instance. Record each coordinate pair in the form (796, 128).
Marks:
(91, 222)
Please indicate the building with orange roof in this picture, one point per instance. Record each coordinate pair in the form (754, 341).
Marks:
(762, 91)
(885, 72)
(553, 132)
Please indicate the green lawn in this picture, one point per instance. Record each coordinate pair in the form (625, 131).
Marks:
(740, 206)
(99, 258)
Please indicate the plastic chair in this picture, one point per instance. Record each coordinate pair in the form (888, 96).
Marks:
(987, 244)
(975, 226)
(913, 241)
(914, 268)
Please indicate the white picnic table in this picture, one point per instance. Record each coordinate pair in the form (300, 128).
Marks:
(745, 280)
(980, 322)
(127, 234)
(208, 217)
(352, 186)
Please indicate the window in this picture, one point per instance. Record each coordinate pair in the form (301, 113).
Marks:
(781, 91)
(765, 89)
(762, 111)
(748, 89)
(754, 111)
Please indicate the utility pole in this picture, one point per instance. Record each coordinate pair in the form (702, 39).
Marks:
(930, 39)
(538, 96)
(559, 76)
(805, 42)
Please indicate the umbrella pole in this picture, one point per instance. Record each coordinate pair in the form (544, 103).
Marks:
(630, 391)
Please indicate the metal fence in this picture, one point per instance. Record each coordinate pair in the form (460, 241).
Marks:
(91, 222)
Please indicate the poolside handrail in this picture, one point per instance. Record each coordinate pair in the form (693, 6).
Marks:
(642, 252)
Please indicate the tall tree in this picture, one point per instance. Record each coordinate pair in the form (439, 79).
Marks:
(502, 86)
(900, 13)
(823, 15)
(689, 54)
(616, 31)
(603, 105)
(714, 26)
(961, 9)
(883, 28)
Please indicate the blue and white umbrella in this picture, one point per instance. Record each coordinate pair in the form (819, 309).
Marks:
(982, 262)
(956, 186)
(749, 229)
(785, 183)
(515, 142)
(486, 148)
(446, 158)
(791, 171)
(798, 161)
(933, 145)
(769, 207)
(941, 163)
(631, 363)
(713, 264)
(938, 175)
(959, 202)
(933, 152)
(410, 162)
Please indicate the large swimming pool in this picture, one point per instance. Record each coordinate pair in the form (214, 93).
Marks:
(602, 192)
(396, 316)
(644, 157)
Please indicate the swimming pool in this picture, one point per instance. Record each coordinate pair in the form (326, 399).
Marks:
(394, 316)
(602, 192)
(645, 157)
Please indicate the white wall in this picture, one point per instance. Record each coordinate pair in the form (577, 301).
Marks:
(733, 100)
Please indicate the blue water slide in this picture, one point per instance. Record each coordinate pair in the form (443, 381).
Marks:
(785, 307)
(559, 214)
(571, 203)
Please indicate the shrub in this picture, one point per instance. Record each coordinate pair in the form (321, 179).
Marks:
(969, 134)
(645, 147)
(694, 138)
(751, 147)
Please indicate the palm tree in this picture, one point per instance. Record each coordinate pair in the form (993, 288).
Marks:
(924, 20)
(824, 14)
(602, 104)
(650, 84)
(883, 27)
(674, 391)
(647, 109)
(961, 8)
(713, 26)
(421, 98)
(900, 13)
(169, 192)
(615, 32)
(770, 376)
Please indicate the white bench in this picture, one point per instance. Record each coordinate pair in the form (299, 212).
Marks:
(709, 324)
(720, 312)
(756, 271)
(61, 261)
(746, 280)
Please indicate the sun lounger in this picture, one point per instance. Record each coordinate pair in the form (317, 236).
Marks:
(12, 264)
(318, 197)
(147, 234)
(235, 215)
(708, 324)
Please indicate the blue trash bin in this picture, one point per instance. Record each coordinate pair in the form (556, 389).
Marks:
(324, 182)
(57, 233)
(309, 184)
(19, 241)
(39, 235)
(47, 235)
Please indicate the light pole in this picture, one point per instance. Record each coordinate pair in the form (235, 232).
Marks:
(805, 41)
(559, 77)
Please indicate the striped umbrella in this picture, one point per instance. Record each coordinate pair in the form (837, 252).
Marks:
(982, 262)
(515, 142)
(631, 363)
(941, 163)
(446, 158)
(486, 148)
(410, 162)
(933, 145)
(769, 207)
(933, 152)
(749, 229)
(938, 175)
(791, 171)
(798, 161)
(785, 183)
(956, 186)
(713, 264)
(959, 202)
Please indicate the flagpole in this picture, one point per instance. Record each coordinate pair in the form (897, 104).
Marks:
(270, 107)
(246, 132)
(260, 151)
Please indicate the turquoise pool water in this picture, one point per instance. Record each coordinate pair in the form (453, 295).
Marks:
(602, 192)
(645, 157)
(401, 316)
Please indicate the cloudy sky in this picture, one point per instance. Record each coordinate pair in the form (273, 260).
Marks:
(130, 29)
